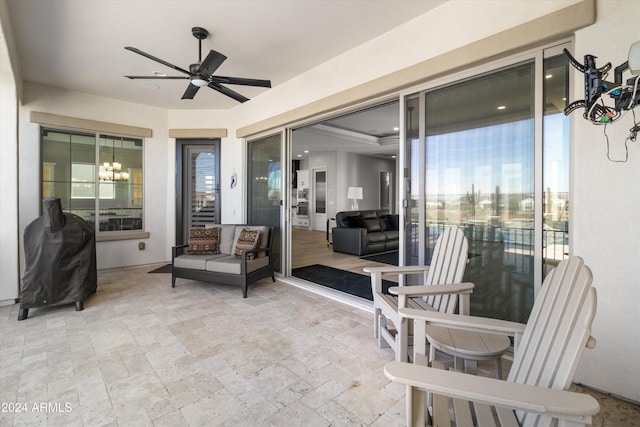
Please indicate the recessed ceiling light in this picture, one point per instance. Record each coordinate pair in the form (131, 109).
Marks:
(299, 155)
(502, 107)
(306, 151)
(393, 157)
(396, 128)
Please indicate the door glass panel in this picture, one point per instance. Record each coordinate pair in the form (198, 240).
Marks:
(411, 177)
(479, 174)
(321, 192)
(201, 187)
(556, 163)
(264, 187)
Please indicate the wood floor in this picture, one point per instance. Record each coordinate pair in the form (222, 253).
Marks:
(311, 247)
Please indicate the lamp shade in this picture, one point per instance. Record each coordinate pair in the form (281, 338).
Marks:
(354, 193)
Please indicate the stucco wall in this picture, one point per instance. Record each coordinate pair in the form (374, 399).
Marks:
(606, 201)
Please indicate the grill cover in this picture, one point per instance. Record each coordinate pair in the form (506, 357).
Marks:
(60, 252)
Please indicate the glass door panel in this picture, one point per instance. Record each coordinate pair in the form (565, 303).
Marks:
(319, 220)
(264, 188)
(411, 203)
(479, 174)
(555, 163)
(198, 184)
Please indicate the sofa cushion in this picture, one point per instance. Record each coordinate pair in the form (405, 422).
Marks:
(376, 238)
(355, 221)
(369, 214)
(232, 264)
(392, 235)
(247, 239)
(226, 237)
(194, 262)
(203, 241)
(372, 225)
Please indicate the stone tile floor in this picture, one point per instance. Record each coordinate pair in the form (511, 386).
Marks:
(144, 354)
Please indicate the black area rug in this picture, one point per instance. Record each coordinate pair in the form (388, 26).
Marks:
(341, 280)
(390, 258)
(163, 269)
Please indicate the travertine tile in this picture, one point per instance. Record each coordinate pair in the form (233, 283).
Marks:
(144, 354)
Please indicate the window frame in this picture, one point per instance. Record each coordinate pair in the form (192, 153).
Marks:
(97, 135)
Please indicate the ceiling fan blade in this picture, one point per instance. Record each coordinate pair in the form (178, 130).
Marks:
(226, 91)
(160, 77)
(191, 91)
(241, 81)
(211, 63)
(153, 58)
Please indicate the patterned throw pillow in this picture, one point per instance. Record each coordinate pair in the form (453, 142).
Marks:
(204, 241)
(248, 239)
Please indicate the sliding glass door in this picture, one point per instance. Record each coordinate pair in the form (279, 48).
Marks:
(264, 188)
(471, 150)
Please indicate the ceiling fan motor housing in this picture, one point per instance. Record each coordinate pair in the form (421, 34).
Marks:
(199, 33)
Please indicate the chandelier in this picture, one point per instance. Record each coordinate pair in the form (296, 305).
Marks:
(111, 172)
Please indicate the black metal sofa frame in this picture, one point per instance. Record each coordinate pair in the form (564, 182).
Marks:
(244, 278)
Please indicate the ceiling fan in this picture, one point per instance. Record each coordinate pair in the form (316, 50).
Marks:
(201, 73)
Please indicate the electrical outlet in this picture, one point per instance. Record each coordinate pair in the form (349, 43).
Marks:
(141, 246)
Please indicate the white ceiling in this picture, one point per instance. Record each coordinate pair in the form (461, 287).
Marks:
(79, 44)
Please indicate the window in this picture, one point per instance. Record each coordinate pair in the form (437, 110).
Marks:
(97, 177)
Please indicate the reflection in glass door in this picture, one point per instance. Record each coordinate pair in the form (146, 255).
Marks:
(480, 175)
(470, 156)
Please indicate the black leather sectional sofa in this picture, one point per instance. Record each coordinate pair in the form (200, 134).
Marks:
(365, 232)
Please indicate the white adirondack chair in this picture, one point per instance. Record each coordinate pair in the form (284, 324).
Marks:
(548, 350)
(446, 270)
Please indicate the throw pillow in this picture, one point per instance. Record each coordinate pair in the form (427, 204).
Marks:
(247, 240)
(203, 241)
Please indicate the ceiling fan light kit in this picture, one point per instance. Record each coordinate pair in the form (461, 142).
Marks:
(200, 74)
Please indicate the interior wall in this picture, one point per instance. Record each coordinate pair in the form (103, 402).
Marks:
(606, 201)
(8, 173)
(356, 170)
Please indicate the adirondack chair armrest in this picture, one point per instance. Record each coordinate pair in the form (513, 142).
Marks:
(410, 269)
(566, 405)
(378, 272)
(453, 288)
(460, 321)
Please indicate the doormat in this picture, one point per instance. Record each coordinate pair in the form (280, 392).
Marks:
(341, 280)
(390, 258)
(163, 269)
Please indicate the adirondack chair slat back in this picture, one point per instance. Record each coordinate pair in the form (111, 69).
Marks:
(557, 332)
(447, 266)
